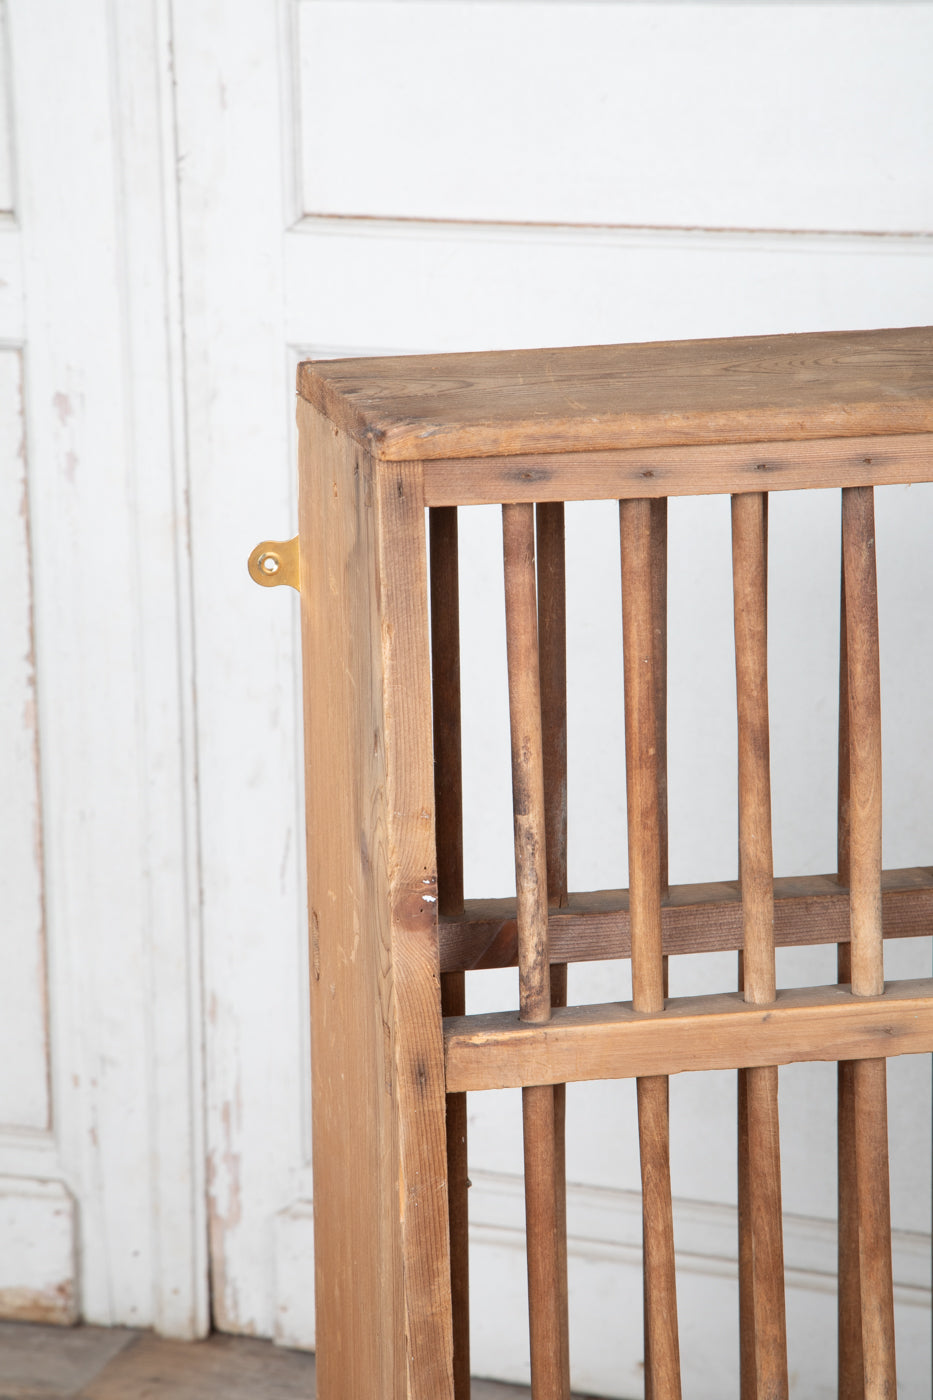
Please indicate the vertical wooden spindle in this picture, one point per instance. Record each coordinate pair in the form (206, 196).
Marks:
(541, 1203)
(869, 1077)
(448, 806)
(761, 1252)
(552, 646)
(662, 1361)
(851, 1376)
(658, 511)
(659, 630)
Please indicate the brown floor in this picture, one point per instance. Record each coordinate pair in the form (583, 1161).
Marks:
(101, 1363)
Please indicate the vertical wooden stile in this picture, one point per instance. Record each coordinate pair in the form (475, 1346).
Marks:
(378, 1087)
(552, 647)
(448, 807)
(869, 1160)
(542, 1213)
(761, 1254)
(662, 1361)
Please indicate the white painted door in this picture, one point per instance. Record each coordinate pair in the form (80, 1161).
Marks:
(206, 193)
(398, 176)
(101, 1157)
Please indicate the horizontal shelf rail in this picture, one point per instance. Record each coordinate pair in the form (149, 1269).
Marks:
(808, 909)
(707, 469)
(721, 1031)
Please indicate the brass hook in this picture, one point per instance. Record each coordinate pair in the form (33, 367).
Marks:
(275, 562)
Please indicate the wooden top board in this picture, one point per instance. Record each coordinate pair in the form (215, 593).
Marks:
(777, 388)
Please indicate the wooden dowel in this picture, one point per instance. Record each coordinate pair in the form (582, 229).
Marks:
(641, 755)
(521, 623)
(851, 1376)
(662, 1359)
(761, 1253)
(659, 630)
(542, 1208)
(874, 1228)
(756, 871)
(552, 646)
(445, 668)
(662, 1362)
(453, 1003)
(747, 1349)
(864, 740)
(868, 1078)
(659, 638)
(851, 1382)
(541, 1229)
(552, 642)
(448, 807)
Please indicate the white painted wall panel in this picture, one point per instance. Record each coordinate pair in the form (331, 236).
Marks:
(741, 116)
(24, 1098)
(38, 1252)
(408, 288)
(6, 149)
(243, 489)
(93, 280)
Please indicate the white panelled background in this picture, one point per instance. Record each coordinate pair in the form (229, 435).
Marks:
(193, 197)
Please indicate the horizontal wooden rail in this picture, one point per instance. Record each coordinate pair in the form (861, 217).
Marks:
(694, 918)
(680, 471)
(722, 1031)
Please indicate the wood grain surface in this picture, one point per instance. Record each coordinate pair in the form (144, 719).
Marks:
(552, 669)
(642, 639)
(596, 398)
(448, 827)
(378, 1094)
(864, 1122)
(761, 1250)
(681, 471)
(808, 909)
(719, 1031)
(544, 1206)
(521, 630)
(850, 1362)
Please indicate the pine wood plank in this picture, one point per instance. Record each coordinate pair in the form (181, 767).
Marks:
(598, 398)
(378, 1088)
(705, 918)
(721, 1031)
(353, 1135)
(682, 471)
(410, 854)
